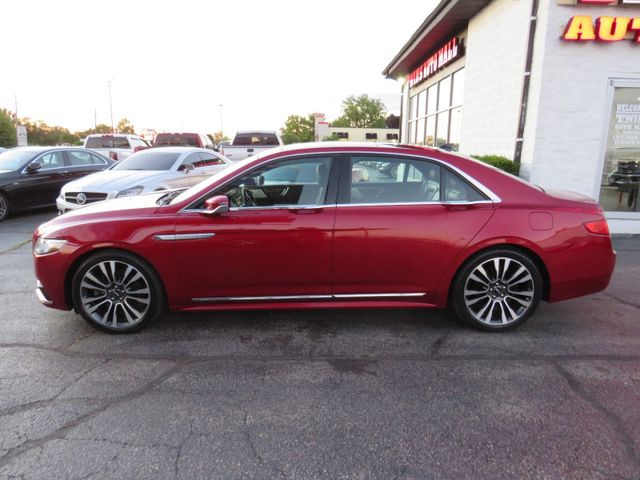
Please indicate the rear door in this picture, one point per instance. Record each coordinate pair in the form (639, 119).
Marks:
(399, 223)
(80, 163)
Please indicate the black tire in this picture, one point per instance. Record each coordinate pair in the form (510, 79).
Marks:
(117, 292)
(497, 290)
(5, 208)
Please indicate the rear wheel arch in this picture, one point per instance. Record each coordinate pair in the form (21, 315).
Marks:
(68, 280)
(533, 256)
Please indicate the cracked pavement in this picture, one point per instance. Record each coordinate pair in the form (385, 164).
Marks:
(327, 394)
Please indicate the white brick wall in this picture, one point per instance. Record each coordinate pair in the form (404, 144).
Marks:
(569, 112)
(495, 63)
(565, 135)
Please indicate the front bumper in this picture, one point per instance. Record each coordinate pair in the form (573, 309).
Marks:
(42, 295)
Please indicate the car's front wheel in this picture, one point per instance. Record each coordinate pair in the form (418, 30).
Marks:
(497, 290)
(4, 207)
(117, 292)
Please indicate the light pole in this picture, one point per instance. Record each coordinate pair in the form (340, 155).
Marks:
(111, 106)
(221, 121)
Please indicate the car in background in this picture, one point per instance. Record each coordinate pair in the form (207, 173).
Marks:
(150, 170)
(249, 143)
(292, 229)
(115, 146)
(220, 146)
(31, 177)
(183, 140)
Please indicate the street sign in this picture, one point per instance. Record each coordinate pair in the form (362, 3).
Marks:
(21, 135)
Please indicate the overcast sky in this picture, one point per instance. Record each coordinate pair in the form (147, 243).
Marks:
(172, 64)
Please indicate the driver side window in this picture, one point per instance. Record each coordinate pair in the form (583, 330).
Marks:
(51, 160)
(300, 182)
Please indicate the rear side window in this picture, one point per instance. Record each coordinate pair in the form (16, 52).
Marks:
(397, 180)
(458, 190)
(255, 139)
(78, 159)
(393, 180)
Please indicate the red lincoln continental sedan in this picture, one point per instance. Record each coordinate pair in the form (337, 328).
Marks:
(295, 228)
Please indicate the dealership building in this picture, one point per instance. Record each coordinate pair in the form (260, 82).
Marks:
(552, 84)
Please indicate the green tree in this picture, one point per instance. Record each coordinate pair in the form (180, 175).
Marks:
(361, 112)
(7, 129)
(39, 133)
(219, 137)
(100, 128)
(125, 126)
(299, 129)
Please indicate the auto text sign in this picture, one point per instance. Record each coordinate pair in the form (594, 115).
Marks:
(21, 135)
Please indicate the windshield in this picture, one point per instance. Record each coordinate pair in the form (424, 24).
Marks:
(203, 185)
(14, 159)
(148, 160)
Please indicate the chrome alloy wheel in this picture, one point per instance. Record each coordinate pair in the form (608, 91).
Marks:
(499, 291)
(115, 294)
(4, 207)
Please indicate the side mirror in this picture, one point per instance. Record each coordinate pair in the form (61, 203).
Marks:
(216, 205)
(34, 167)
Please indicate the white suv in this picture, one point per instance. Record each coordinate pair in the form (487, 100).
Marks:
(116, 146)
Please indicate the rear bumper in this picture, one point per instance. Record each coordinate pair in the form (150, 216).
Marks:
(584, 271)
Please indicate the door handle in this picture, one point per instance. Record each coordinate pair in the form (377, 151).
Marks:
(307, 210)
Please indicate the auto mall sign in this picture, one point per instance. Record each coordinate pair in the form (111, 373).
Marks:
(583, 28)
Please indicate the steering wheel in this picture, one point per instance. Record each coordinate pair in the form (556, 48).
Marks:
(247, 196)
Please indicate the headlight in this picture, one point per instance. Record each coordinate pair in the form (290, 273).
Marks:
(130, 191)
(48, 245)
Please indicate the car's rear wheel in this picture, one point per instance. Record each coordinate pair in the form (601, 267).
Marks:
(117, 292)
(4, 207)
(497, 290)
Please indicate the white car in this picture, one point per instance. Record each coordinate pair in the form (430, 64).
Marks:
(115, 146)
(146, 171)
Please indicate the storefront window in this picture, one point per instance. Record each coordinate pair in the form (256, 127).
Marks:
(431, 131)
(434, 113)
(422, 104)
(621, 174)
(454, 132)
(458, 88)
(444, 97)
(420, 132)
(432, 103)
(442, 128)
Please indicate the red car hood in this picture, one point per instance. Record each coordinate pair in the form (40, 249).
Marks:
(110, 210)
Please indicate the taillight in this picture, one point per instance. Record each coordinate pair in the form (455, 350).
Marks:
(599, 227)
(113, 155)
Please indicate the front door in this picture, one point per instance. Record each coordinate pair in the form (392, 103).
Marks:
(273, 244)
(42, 187)
(399, 223)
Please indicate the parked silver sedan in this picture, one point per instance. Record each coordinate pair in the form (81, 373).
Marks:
(145, 171)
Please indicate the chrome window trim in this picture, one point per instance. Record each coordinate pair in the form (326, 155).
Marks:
(492, 197)
(183, 236)
(408, 204)
(306, 297)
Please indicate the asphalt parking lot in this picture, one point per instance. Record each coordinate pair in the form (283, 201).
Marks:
(329, 394)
